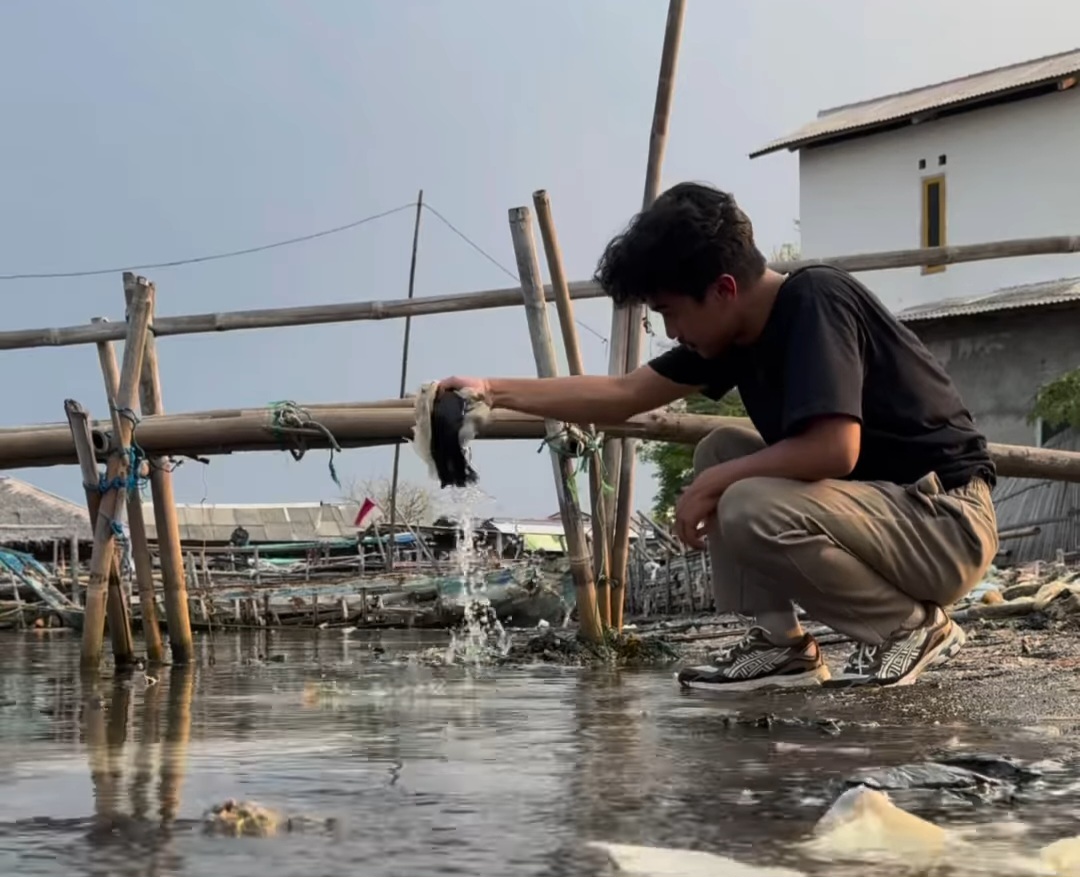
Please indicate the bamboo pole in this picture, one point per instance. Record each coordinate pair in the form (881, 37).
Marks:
(405, 356)
(521, 233)
(140, 550)
(111, 508)
(350, 312)
(116, 606)
(601, 547)
(174, 584)
(211, 433)
(636, 314)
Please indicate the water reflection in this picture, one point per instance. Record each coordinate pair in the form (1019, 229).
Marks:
(122, 836)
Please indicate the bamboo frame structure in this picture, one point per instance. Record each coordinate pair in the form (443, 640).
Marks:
(635, 314)
(140, 550)
(111, 509)
(117, 609)
(174, 583)
(577, 547)
(215, 433)
(374, 423)
(601, 543)
(505, 297)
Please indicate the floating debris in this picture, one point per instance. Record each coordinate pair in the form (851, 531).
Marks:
(665, 862)
(626, 649)
(934, 786)
(234, 818)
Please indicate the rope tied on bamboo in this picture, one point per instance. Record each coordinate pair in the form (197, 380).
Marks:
(574, 443)
(291, 424)
(131, 480)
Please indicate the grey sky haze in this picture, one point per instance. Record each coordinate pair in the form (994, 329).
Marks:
(145, 131)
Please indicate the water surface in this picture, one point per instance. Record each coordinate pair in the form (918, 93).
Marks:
(426, 770)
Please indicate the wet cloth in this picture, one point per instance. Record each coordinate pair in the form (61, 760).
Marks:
(445, 425)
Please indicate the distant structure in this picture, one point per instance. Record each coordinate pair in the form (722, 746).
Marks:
(40, 523)
(986, 157)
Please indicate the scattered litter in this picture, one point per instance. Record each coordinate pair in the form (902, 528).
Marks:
(663, 862)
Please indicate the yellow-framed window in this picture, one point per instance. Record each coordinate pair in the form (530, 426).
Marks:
(933, 217)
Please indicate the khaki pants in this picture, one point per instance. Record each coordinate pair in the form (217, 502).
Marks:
(857, 556)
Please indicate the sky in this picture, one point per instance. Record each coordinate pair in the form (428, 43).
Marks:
(144, 132)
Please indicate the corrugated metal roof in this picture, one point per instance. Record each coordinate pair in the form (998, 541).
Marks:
(1028, 295)
(870, 114)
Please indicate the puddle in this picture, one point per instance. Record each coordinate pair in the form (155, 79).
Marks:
(397, 767)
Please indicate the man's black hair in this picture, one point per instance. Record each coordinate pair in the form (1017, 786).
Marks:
(690, 235)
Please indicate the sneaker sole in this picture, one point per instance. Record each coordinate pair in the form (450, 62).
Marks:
(944, 652)
(810, 679)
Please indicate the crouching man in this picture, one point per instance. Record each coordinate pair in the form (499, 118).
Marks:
(863, 492)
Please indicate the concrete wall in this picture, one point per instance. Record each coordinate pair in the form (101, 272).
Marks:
(1010, 172)
(999, 361)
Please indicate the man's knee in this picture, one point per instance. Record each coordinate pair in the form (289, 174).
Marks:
(725, 443)
(752, 511)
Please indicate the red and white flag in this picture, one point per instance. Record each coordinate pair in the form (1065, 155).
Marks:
(369, 513)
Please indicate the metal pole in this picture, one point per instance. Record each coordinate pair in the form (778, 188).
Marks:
(405, 365)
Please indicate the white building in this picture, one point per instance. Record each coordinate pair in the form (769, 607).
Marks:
(988, 157)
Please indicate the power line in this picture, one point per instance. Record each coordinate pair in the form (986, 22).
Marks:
(174, 263)
(229, 255)
(500, 266)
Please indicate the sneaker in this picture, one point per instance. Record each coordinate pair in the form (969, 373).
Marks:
(754, 662)
(901, 659)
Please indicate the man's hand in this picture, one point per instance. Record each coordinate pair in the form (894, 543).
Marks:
(696, 508)
(828, 448)
(479, 385)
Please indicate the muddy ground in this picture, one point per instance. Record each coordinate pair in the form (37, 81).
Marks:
(1020, 670)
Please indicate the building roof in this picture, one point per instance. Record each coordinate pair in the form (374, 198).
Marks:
(292, 522)
(30, 514)
(916, 105)
(1029, 295)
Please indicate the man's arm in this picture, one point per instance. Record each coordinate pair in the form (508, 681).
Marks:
(827, 447)
(579, 398)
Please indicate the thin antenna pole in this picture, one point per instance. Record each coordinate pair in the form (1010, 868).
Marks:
(404, 369)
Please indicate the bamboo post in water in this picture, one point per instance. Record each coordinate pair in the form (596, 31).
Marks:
(601, 545)
(636, 313)
(140, 550)
(546, 367)
(168, 529)
(117, 474)
(117, 608)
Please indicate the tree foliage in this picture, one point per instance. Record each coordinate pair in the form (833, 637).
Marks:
(1058, 402)
(414, 501)
(674, 462)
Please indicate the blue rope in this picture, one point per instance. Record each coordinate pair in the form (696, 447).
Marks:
(133, 483)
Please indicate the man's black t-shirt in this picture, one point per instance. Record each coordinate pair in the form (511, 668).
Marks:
(831, 347)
